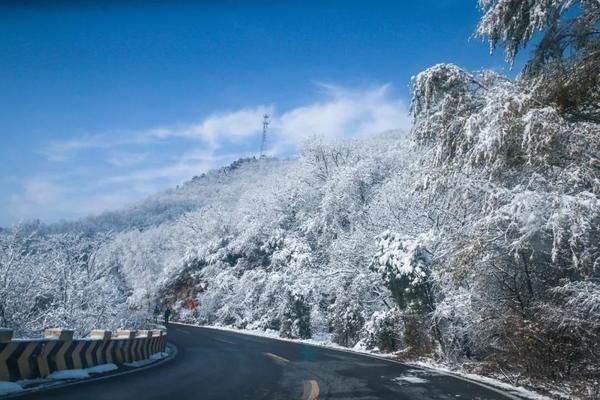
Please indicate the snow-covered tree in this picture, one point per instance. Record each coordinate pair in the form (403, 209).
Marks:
(405, 265)
(346, 320)
(295, 317)
(516, 184)
(564, 66)
(60, 280)
(384, 331)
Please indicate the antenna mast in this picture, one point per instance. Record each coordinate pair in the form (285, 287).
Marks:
(266, 122)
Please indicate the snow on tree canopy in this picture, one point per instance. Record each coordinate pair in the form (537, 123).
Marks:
(405, 265)
(513, 23)
(487, 121)
(402, 257)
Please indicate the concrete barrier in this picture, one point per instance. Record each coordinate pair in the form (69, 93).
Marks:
(5, 335)
(58, 350)
(58, 333)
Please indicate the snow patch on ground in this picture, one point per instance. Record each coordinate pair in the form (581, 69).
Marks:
(158, 356)
(141, 363)
(81, 373)
(69, 374)
(102, 368)
(495, 383)
(9, 387)
(402, 380)
(57, 377)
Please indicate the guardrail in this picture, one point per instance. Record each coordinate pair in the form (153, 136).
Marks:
(57, 350)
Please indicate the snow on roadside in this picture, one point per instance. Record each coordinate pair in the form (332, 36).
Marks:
(141, 363)
(327, 343)
(512, 389)
(82, 373)
(158, 356)
(69, 374)
(102, 368)
(57, 377)
(9, 388)
(402, 380)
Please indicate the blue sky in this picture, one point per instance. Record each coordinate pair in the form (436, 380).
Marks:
(103, 103)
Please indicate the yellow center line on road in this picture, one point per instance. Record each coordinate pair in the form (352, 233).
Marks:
(276, 357)
(311, 387)
(311, 390)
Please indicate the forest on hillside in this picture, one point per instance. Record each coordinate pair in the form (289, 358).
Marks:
(473, 239)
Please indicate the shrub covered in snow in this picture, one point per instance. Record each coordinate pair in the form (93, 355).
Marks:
(295, 317)
(384, 331)
(405, 265)
(346, 321)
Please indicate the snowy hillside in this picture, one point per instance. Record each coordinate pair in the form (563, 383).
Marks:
(171, 204)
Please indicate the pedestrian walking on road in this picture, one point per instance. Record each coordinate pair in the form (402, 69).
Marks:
(156, 314)
(167, 315)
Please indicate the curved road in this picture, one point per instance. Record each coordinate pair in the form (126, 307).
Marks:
(214, 364)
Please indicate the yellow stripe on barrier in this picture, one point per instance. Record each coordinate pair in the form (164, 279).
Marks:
(61, 361)
(24, 362)
(27, 359)
(109, 350)
(76, 356)
(88, 353)
(7, 350)
(43, 358)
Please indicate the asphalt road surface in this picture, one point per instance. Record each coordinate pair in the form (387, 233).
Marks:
(214, 364)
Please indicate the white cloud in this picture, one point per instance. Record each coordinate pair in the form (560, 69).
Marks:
(142, 162)
(122, 159)
(341, 113)
(40, 191)
(62, 150)
(175, 173)
(230, 125)
(189, 165)
(55, 197)
(43, 197)
(345, 113)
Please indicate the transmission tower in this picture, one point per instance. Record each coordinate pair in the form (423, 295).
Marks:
(266, 122)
